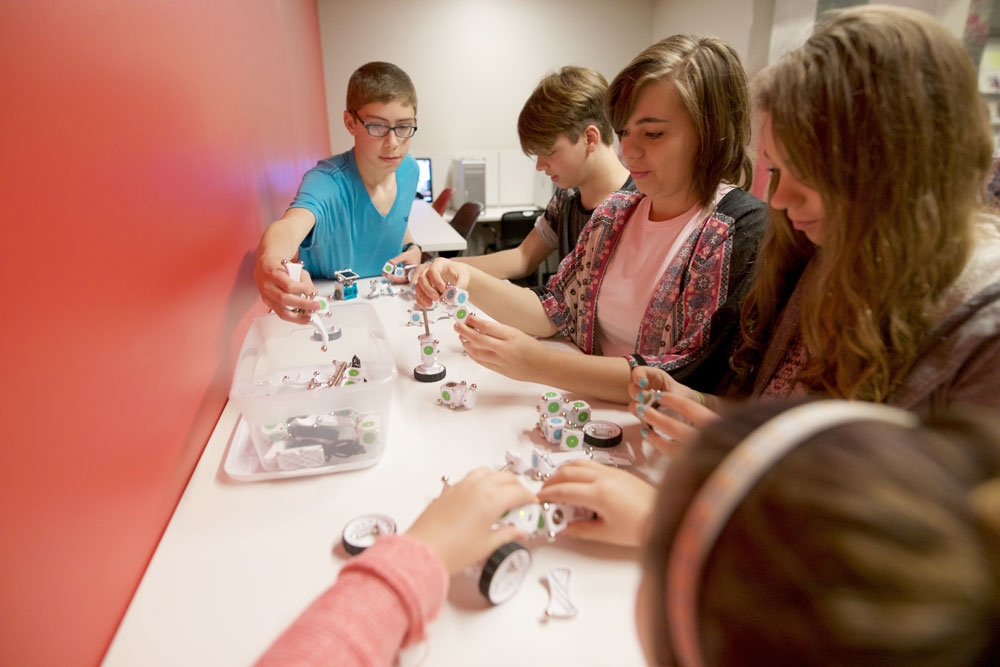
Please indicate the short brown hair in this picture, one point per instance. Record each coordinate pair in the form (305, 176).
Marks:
(710, 80)
(380, 82)
(564, 103)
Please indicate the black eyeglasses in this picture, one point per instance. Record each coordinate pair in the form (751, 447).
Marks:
(380, 130)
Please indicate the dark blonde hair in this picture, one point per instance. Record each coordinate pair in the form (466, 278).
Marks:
(380, 82)
(880, 113)
(868, 544)
(710, 80)
(564, 103)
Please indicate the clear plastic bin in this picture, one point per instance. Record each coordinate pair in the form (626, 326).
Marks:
(302, 415)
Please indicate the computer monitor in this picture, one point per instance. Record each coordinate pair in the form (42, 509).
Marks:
(425, 187)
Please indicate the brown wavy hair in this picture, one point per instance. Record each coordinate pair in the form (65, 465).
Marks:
(713, 86)
(880, 113)
(868, 544)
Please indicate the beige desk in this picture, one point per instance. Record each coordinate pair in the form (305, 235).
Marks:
(240, 560)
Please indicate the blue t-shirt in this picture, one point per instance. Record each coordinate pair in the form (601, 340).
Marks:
(349, 232)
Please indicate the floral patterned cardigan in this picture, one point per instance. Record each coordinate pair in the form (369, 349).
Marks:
(690, 323)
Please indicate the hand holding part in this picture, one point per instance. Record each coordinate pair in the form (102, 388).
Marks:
(457, 525)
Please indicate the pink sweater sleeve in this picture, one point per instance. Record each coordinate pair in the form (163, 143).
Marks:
(381, 601)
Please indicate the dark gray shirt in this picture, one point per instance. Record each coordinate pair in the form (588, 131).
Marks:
(565, 217)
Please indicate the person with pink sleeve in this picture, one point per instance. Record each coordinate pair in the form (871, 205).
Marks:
(385, 597)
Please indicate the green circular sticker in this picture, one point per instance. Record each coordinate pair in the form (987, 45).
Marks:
(572, 441)
(461, 313)
(428, 349)
(579, 404)
(550, 394)
(553, 407)
(368, 438)
(354, 372)
(445, 395)
(348, 382)
(582, 417)
(367, 424)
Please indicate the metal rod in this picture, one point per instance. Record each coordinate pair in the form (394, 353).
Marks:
(338, 374)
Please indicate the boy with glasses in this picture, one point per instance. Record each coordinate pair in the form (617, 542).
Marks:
(563, 124)
(351, 210)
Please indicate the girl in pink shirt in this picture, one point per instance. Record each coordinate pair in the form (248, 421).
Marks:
(681, 111)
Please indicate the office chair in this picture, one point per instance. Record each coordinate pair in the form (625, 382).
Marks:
(441, 203)
(515, 227)
(463, 223)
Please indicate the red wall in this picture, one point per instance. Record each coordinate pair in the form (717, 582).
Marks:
(143, 146)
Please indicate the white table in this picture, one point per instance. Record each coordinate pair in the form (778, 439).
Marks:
(432, 232)
(240, 560)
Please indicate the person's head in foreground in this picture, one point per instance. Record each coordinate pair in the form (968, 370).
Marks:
(831, 533)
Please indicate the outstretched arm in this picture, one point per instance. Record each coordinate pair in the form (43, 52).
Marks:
(384, 597)
(513, 353)
(515, 262)
(507, 303)
(281, 241)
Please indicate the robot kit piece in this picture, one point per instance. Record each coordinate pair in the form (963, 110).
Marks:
(456, 302)
(548, 519)
(313, 441)
(457, 395)
(400, 270)
(346, 287)
(429, 370)
(380, 287)
(324, 333)
(553, 404)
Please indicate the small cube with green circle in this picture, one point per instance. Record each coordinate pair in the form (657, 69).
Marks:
(577, 412)
(550, 403)
(572, 439)
(368, 429)
(353, 375)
